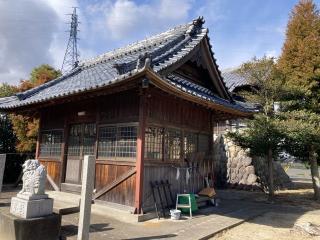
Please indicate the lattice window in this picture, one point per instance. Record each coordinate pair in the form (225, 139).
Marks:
(117, 141)
(154, 143)
(107, 142)
(203, 143)
(50, 145)
(74, 140)
(173, 144)
(126, 141)
(190, 143)
(89, 138)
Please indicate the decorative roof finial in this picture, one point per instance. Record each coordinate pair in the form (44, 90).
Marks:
(195, 26)
(199, 21)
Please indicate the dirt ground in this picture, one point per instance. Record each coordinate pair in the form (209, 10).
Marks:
(280, 225)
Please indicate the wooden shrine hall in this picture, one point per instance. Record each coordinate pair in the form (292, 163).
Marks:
(145, 111)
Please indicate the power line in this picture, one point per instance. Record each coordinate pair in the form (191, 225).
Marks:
(71, 55)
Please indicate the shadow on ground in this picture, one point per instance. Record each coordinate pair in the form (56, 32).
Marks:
(153, 237)
(72, 230)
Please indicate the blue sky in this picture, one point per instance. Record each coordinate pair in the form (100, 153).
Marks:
(32, 32)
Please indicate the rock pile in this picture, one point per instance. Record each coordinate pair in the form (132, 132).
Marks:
(235, 167)
(239, 165)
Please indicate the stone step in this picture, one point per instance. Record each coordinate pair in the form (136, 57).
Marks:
(71, 188)
(64, 203)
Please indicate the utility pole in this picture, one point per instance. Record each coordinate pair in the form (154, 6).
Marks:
(71, 56)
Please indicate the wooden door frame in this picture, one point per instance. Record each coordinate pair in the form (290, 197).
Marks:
(66, 147)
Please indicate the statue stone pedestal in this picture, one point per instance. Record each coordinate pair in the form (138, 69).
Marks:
(31, 201)
(41, 228)
(30, 215)
(31, 208)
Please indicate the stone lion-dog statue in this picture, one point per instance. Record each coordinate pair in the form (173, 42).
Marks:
(34, 178)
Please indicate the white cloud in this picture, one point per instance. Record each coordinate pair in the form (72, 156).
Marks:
(212, 11)
(125, 18)
(271, 53)
(31, 33)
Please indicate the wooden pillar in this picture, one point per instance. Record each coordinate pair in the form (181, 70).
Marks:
(38, 139)
(140, 153)
(211, 140)
(64, 147)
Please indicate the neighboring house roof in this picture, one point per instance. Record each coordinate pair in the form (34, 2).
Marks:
(158, 53)
(234, 80)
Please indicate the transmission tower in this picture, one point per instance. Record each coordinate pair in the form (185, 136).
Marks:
(71, 55)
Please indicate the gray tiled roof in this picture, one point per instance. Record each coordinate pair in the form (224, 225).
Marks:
(159, 51)
(233, 79)
(204, 93)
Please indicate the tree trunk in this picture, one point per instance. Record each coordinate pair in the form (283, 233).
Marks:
(270, 168)
(314, 173)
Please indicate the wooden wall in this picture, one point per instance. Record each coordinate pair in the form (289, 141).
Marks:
(162, 109)
(168, 172)
(124, 193)
(53, 168)
(168, 110)
(108, 109)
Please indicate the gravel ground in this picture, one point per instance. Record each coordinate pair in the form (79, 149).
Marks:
(295, 207)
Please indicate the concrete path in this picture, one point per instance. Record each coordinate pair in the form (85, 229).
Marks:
(233, 210)
(204, 224)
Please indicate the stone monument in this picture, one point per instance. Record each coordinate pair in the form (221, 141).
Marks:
(2, 166)
(31, 201)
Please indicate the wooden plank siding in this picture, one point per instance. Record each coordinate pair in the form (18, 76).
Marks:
(168, 172)
(53, 168)
(167, 111)
(171, 111)
(124, 193)
(122, 107)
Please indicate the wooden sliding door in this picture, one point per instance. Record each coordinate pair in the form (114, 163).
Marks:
(81, 141)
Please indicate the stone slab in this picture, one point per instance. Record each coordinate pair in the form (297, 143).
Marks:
(31, 208)
(2, 166)
(14, 228)
(88, 176)
(27, 196)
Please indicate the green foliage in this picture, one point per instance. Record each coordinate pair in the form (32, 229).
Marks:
(7, 137)
(261, 134)
(300, 64)
(300, 58)
(25, 128)
(267, 81)
(43, 74)
(302, 130)
(7, 90)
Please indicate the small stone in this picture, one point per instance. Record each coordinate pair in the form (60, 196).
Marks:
(250, 169)
(246, 161)
(252, 178)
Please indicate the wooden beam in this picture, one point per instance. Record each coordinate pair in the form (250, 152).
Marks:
(64, 151)
(115, 183)
(52, 183)
(38, 138)
(140, 153)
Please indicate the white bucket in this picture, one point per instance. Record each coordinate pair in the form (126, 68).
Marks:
(175, 214)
